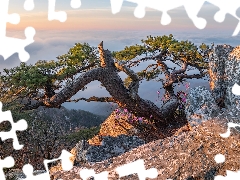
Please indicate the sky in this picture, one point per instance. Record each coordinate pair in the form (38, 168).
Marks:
(97, 14)
(94, 22)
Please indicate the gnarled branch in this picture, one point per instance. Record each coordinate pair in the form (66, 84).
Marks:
(134, 85)
(107, 74)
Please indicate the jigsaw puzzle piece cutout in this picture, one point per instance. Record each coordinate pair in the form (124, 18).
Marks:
(8, 162)
(116, 5)
(165, 6)
(87, 173)
(219, 158)
(75, 4)
(160, 5)
(138, 168)
(237, 30)
(139, 11)
(230, 125)
(6, 18)
(28, 5)
(231, 175)
(53, 15)
(236, 89)
(65, 156)
(28, 171)
(192, 8)
(13, 18)
(8, 45)
(227, 7)
(21, 125)
(66, 166)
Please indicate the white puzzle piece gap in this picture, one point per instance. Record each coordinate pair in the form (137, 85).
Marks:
(61, 15)
(21, 125)
(231, 175)
(230, 125)
(8, 45)
(28, 171)
(219, 158)
(138, 168)
(29, 5)
(53, 15)
(65, 161)
(192, 9)
(227, 7)
(75, 4)
(236, 89)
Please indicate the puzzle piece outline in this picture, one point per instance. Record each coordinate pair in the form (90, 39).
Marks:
(124, 170)
(192, 9)
(219, 158)
(21, 125)
(9, 45)
(66, 166)
(138, 168)
(199, 22)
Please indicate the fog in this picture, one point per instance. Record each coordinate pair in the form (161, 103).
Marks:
(48, 45)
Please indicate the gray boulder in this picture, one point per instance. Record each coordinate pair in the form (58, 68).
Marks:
(224, 64)
(200, 106)
(188, 156)
(111, 147)
(232, 71)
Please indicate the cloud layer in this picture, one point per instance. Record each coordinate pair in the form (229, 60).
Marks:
(93, 23)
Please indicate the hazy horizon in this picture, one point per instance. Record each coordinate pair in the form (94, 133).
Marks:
(93, 22)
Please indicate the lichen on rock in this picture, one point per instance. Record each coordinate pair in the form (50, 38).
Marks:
(200, 106)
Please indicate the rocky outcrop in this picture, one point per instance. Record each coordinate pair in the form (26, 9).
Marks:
(111, 147)
(190, 155)
(224, 72)
(232, 71)
(116, 124)
(200, 106)
(116, 131)
(217, 65)
(185, 155)
(121, 122)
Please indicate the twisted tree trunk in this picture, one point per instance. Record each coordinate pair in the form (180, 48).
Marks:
(127, 98)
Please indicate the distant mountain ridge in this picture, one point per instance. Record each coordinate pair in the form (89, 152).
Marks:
(70, 119)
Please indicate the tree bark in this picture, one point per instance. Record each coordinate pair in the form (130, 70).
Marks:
(107, 74)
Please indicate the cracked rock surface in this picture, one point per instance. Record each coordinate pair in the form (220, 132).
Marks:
(190, 155)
